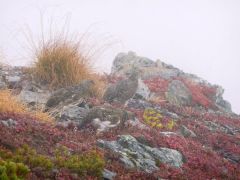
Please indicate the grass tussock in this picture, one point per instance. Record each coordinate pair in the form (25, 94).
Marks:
(10, 104)
(61, 63)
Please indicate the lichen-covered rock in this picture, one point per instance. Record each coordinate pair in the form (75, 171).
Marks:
(187, 132)
(73, 113)
(142, 91)
(136, 123)
(121, 91)
(125, 62)
(34, 95)
(3, 85)
(213, 126)
(137, 155)
(178, 94)
(220, 102)
(108, 175)
(71, 94)
(9, 123)
(103, 118)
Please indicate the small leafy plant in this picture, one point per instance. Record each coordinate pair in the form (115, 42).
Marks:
(12, 170)
(154, 119)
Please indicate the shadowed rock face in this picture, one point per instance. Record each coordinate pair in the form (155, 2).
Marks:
(71, 94)
(178, 94)
(121, 91)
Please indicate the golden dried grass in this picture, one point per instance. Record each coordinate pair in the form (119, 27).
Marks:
(10, 104)
(61, 63)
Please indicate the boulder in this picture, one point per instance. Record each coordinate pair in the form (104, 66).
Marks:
(104, 118)
(136, 123)
(213, 126)
(222, 104)
(142, 91)
(187, 132)
(134, 154)
(3, 85)
(34, 96)
(10, 123)
(178, 94)
(74, 114)
(124, 63)
(121, 91)
(138, 104)
(71, 94)
(108, 175)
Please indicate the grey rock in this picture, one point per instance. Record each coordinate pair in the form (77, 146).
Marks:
(121, 91)
(222, 104)
(137, 155)
(138, 104)
(71, 94)
(102, 126)
(136, 123)
(168, 133)
(108, 175)
(9, 123)
(13, 79)
(213, 126)
(178, 94)
(103, 117)
(142, 90)
(74, 113)
(3, 85)
(35, 98)
(187, 132)
(124, 62)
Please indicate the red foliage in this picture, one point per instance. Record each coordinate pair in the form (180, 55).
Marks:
(201, 94)
(206, 156)
(157, 84)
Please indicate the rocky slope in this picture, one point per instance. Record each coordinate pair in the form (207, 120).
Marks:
(153, 122)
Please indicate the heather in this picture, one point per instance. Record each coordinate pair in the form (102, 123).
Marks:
(167, 124)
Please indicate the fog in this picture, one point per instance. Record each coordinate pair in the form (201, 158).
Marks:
(197, 36)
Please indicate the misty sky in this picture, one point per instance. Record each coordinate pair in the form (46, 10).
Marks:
(197, 36)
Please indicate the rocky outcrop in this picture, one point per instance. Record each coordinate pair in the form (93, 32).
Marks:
(124, 63)
(178, 94)
(136, 155)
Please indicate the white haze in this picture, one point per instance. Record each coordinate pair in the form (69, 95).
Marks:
(197, 36)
